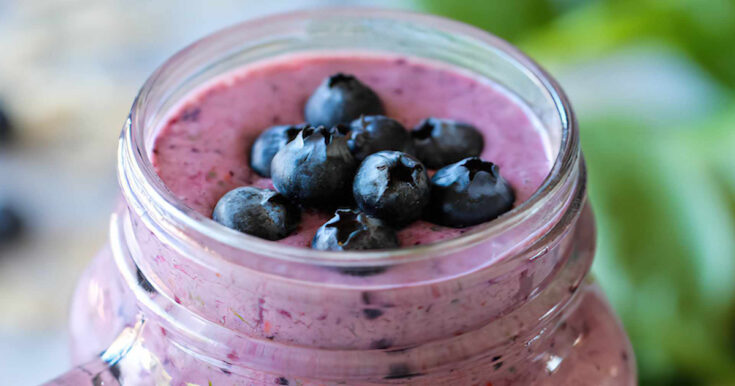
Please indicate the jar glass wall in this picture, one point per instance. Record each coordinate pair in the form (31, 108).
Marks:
(174, 299)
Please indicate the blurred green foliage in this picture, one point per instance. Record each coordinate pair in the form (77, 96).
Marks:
(664, 196)
(666, 249)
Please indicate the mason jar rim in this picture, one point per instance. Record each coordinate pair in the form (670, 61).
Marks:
(134, 162)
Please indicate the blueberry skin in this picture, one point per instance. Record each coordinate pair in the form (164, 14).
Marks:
(362, 271)
(350, 230)
(392, 186)
(440, 142)
(316, 168)
(268, 144)
(339, 99)
(11, 224)
(373, 133)
(258, 212)
(143, 281)
(469, 192)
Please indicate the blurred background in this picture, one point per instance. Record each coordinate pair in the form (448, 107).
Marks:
(652, 81)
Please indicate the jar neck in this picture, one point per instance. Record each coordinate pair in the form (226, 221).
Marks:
(547, 290)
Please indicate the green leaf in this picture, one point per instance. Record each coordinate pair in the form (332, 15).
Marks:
(704, 30)
(666, 253)
(507, 19)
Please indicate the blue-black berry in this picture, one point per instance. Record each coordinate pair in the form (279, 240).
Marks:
(258, 212)
(440, 142)
(268, 144)
(392, 186)
(339, 99)
(352, 230)
(469, 192)
(316, 168)
(11, 224)
(373, 133)
(6, 129)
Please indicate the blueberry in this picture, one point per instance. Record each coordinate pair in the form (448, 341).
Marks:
(440, 142)
(469, 192)
(392, 186)
(373, 133)
(258, 212)
(339, 99)
(381, 344)
(372, 313)
(143, 281)
(352, 230)
(6, 130)
(401, 371)
(340, 130)
(316, 168)
(11, 224)
(268, 144)
(362, 271)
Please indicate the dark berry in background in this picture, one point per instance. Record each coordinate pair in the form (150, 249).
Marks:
(6, 130)
(392, 186)
(440, 142)
(268, 144)
(11, 224)
(469, 192)
(353, 230)
(316, 168)
(258, 212)
(340, 99)
(373, 133)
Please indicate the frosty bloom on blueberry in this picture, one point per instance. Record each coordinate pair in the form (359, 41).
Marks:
(469, 192)
(315, 168)
(372, 133)
(340, 99)
(352, 230)
(268, 144)
(258, 212)
(392, 186)
(440, 142)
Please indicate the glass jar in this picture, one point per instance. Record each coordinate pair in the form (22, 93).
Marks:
(174, 300)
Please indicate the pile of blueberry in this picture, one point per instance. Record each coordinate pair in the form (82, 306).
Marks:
(350, 156)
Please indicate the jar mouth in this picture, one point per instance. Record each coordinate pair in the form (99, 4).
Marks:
(173, 215)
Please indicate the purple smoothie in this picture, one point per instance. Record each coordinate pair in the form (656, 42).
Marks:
(202, 151)
(463, 316)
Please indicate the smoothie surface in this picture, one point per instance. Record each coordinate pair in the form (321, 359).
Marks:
(201, 150)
